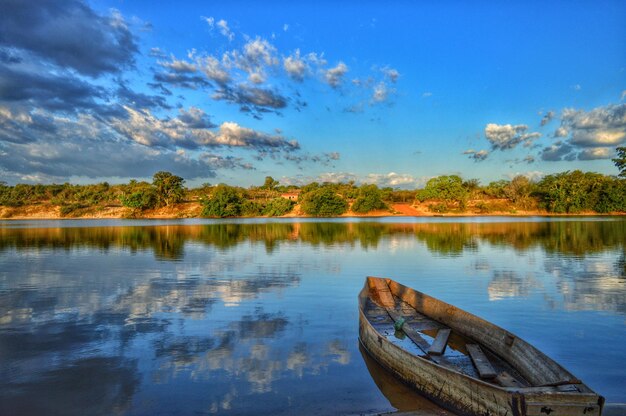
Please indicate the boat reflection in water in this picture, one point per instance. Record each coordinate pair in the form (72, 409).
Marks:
(400, 396)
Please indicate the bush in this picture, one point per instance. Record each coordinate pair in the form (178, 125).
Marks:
(439, 208)
(277, 207)
(141, 200)
(251, 208)
(68, 209)
(323, 202)
(483, 208)
(369, 199)
(225, 201)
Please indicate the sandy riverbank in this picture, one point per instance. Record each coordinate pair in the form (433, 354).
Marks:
(194, 209)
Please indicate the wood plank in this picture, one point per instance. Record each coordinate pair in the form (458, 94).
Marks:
(561, 383)
(382, 289)
(441, 341)
(481, 362)
(507, 380)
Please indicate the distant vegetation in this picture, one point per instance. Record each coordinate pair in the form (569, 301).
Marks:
(568, 192)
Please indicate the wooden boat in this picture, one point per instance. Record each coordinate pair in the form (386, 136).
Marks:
(463, 362)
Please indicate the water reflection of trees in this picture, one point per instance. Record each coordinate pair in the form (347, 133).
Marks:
(447, 239)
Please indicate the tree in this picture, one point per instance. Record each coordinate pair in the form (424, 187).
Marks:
(323, 202)
(620, 161)
(270, 183)
(571, 192)
(448, 189)
(369, 199)
(496, 189)
(169, 188)
(224, 202)
(519, 190)
(472, 186)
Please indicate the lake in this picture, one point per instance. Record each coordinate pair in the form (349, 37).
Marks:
(260, 316)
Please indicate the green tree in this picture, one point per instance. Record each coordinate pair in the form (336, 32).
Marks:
(611, 196)
(323, 202)
(473, 187)
(313, 186)
(448, 189)
(369, 199)
(571, 192)
(169, 188)
(496, 189)
(620, 161)
(270, 183)
(225, 201)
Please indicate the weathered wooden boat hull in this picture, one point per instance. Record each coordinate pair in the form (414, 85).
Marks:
(468, 395)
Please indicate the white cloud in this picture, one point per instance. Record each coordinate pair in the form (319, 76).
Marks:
(258, 53)
(336, 177)
(334, 76)
(395, 180)
(381, 92)
(532, 176)
(214, 69)
(222, 25)
(256, 78)
(233, 135)
(178, 65)
(427, 94)
(210, 21)
(383, 180)
(507, 136)
(295, 66)
(391, 73)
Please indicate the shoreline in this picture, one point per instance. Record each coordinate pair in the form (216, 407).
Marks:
(192, 211)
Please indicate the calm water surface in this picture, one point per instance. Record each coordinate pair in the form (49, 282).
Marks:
(251, 317)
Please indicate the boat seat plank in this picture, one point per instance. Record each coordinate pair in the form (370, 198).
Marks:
(481, 362)
(441, 341)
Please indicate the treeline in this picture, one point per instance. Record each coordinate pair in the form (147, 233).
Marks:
(562, 193)
(567, 192)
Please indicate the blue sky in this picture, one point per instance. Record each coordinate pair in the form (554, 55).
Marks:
(390, 93)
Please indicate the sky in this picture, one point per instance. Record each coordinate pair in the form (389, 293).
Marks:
(392, 93)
